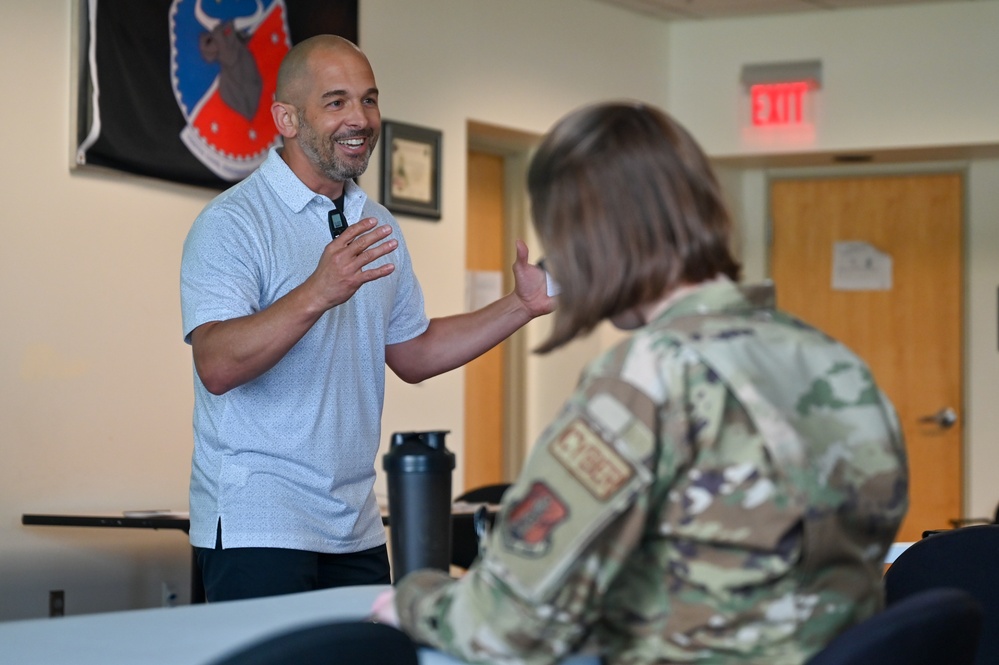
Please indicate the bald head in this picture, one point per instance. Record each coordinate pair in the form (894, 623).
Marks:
(294, 75)
(326, 109)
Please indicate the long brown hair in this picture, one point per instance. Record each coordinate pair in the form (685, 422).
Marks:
(627, 208)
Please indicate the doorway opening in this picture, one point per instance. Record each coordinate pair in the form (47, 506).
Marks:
(496, 392)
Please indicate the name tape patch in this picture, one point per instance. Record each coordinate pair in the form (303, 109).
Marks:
(591, 460)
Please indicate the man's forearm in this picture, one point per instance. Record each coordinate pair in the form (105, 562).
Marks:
(450, 342)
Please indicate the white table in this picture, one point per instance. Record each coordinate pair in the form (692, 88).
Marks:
(895, 550)
(188, 635)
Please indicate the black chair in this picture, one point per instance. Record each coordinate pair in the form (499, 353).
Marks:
(965, 558)
(935, 627)
(464, 531)
(337, 643)
(485, 494)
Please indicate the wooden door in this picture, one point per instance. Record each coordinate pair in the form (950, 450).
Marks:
(484, 376)
(911, 333)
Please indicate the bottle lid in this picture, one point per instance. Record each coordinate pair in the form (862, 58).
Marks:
(419, 452)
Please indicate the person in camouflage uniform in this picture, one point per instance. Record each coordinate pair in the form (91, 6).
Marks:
(722, 486)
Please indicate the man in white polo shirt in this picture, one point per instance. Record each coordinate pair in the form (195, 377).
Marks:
(296, 291)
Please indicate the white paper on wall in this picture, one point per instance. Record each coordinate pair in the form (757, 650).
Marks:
(859, 266)
(482, 287)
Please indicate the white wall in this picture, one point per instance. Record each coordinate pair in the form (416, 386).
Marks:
(95, 381)
(894, 76)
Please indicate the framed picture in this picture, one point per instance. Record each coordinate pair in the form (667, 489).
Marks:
(411, 169)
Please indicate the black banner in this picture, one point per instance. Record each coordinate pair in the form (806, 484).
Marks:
(181, 89)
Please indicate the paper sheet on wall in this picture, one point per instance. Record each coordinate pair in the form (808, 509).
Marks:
(482, 287)
(859, 266)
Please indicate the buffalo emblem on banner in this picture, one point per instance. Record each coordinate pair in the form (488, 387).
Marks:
(224, 59)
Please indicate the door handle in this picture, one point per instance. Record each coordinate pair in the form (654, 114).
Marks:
(944, 418)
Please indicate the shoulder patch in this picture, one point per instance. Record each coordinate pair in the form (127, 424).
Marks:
(591, 460)
(532, 519)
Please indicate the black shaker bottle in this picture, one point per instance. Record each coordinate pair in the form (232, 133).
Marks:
(418, 467)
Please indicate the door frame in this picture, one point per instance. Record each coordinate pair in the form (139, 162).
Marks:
(885, 170)
(515, 148)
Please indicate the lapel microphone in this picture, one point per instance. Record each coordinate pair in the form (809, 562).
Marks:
(337, 223)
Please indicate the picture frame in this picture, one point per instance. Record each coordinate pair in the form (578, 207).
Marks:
(411, 169)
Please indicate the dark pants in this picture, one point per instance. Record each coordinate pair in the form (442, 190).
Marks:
(254, 572)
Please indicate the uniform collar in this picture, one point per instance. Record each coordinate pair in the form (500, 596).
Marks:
(719, 295)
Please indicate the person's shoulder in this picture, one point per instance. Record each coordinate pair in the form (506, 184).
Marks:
(372, 208)
(375, 209)
(220, 210)
(253, 193)
(638, 363)
(233, 213)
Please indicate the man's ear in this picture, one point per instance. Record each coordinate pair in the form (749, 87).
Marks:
(285, 119)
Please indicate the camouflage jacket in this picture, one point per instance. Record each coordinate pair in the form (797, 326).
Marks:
(721, 487)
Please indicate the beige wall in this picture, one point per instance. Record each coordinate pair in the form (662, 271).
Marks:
(511, 73)
(95, 382)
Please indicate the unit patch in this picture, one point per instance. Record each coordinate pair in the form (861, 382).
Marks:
(531, 521)
(591, 460)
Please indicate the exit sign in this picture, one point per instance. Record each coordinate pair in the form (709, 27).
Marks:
(780, 104)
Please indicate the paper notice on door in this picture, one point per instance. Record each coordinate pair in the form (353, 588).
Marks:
(859, 266)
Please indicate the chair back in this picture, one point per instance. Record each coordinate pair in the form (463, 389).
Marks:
(485, 494)
(464, 537)
(966, 558)
(935, 627)
(336, 643)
